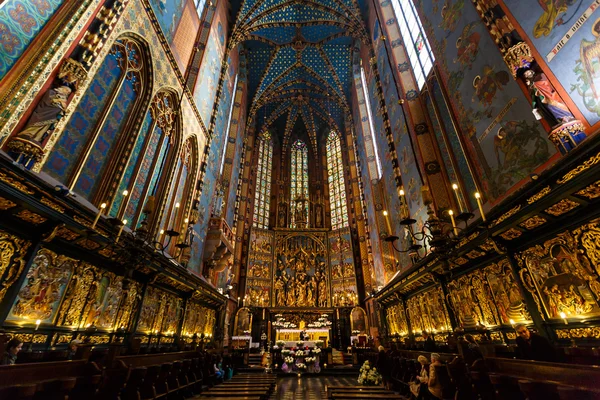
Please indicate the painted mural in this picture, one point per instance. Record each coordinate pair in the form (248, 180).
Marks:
(208, 76)
(233, 181)
(168, 13)
(495, 118)
(20, 23)
(567, 36)
(43, 288)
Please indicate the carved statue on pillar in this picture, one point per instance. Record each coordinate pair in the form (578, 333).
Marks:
(28, 144)
(282, 214)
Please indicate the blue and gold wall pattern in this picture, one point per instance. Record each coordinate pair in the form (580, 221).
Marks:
(168, 13)
(99, 119)
(566, 35)
(502, 136)
(20, 23)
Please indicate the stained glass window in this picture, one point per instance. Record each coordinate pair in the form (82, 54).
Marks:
(199, 6)
(299, 185)
(415, 40)
(337, 184)
(370, 117)
(262, 194)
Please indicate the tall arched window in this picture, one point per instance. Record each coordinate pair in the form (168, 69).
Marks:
(299, 187)
(146, 169)
(182, 186)
(337, 184)
(99, 125)
(262, 195)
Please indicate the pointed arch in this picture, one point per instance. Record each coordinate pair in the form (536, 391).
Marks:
(262, 194)
(95, 136)
(299, 194)
(336, 181)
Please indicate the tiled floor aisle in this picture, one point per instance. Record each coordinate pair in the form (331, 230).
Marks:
(309, 388)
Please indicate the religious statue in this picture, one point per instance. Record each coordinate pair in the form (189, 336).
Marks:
(322, 293)
(547, 103)
(282, 213)
(280, 290)
(311, 292)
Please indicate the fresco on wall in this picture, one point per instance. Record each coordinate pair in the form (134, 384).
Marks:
(499, 129)
(168, 13)
(43, 288)
(208, 76)
(233, 181)
(567, 36)
(20, 23)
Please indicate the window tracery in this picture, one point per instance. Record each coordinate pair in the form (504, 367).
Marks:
(337, 184)
(262, 194)
(299, 184)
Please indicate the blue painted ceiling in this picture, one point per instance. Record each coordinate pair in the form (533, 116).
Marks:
(299, 55)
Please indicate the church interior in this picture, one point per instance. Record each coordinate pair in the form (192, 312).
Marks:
(300, 199)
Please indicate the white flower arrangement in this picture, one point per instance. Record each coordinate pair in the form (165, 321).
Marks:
(300, 344)
(285, 351)
(289, 360)
(280, 343)
(301, 366)
(319, 343)
(275, 347)
(299, 353)
(310, 360)
(316, 350)
(368, 375)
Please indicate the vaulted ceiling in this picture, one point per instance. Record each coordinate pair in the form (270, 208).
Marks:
(299, 56)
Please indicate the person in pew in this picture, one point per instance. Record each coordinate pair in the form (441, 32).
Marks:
(382, 366)
(419, 387)
(429, 342)
(218, 367)
(73, 348)
(434, 385)
(471, 352)
(532, 346)
(13, 347)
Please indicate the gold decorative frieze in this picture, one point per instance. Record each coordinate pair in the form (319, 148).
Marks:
(562, 207)
(66, 234)
(533, 222)
(461, 261)
(31, 217)
(511, 335)
(6, 204)
(507, 215)
(104, 339)
(61, 338)
(15, 183)
(12, 253)
(590, 192)
(579, 333)
(579, 169)
(88, 244)
(538, 195)
(511, 234)
(473, 254)
(53, 205)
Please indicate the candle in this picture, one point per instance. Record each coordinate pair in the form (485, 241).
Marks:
(387, 222)
(238, 302)
(403, 211)
(458, 199)
(480, 205)
(102, 207)
(149, 209)
(121, 230)
(564, 318)
(451, 213)
(37, 324)
(125, 193)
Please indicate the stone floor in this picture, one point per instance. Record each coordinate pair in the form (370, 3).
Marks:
(308, 388)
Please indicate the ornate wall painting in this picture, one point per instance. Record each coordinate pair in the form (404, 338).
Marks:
(259, 272)
(505, 293)
(341, 262)
(198, 320)
(43, 288)
(20, 22)
(301, 277)
(427, 312)
(168, 13)
(486, 101)
(359, 320)
(107, 297)
(396, 320)
(243, 322)
(571, 59)
(560, 274)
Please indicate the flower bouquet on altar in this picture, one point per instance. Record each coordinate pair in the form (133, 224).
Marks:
(300, 343)
(285, 352)
(299, 353)
(301, 367)
(288, 362)
(316, 350)
(369, 376)
(280, 343)
(319, 343)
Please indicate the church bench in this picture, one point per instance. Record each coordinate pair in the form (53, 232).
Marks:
(153, 359)
(229, 398)
(389, 396)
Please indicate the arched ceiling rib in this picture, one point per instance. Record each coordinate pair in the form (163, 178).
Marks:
(300, 62)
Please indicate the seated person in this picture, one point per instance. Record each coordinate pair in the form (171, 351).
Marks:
(471, 352)
(434, 384)
(429, 342)
(218, 368)
(13, 347)
(422, 379)
(532, 346)
(73, 349)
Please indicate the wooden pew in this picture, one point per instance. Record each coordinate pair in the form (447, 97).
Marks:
(583, 377)
(52, 378)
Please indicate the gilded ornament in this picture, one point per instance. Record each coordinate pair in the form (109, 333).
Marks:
(15, 183)
(516, 56)
(6, 204)
(461, 261)
(52, 205)
(511, 234)
(60, 338)
(473, 254)
(562, 207)
(12, 252)
(65, 233)
(579, 169)
(533, 222)
(579, 333)
(507, 215)
(31, 217)
(88, 244)
(590, 192)
(39, 338)
(539, 195)
(511, 335)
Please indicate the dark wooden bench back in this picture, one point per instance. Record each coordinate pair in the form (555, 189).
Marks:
(153, 359)
(412, 354)
(26, 373)
(581, 376)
